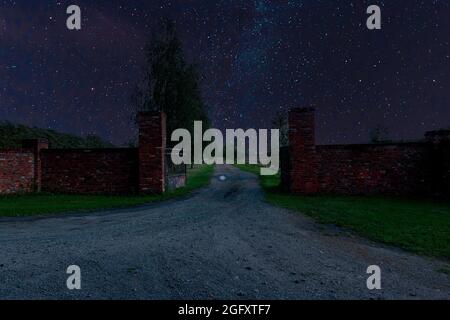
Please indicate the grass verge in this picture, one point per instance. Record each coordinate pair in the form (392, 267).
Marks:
(421, 226)
(36, 204)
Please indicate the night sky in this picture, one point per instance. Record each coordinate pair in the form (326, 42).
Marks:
(257, 57)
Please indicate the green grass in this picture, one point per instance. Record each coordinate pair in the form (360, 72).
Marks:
(269, 183)
(37, 204)
(421, 226)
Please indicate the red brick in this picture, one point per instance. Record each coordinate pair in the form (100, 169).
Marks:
(89, 171)
(152, 150)
(421, 168)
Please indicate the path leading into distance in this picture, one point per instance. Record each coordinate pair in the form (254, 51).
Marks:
(223, 242)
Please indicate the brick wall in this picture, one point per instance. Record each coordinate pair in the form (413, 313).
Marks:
(302, 152)
(90, 171)
(372, 169)
(16, 171)
(152, 152)
(396, 168)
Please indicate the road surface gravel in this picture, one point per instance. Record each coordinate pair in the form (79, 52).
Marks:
(222, 242)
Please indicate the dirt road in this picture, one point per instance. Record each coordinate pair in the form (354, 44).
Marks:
(223, 242)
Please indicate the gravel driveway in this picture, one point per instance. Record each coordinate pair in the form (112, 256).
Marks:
(223, 242)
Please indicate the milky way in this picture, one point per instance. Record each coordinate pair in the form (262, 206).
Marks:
(256, 57)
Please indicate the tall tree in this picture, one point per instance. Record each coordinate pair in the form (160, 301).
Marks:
(171, 84)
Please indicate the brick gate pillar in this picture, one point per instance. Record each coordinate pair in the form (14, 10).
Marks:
(302, 152)
(36, 145)
(152, 151)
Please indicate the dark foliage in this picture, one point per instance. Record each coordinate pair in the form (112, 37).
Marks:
(171, 84)
(11, 136)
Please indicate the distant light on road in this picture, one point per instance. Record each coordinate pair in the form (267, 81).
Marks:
(222, 178)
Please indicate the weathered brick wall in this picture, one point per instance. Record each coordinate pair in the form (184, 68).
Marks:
(152, 152)
(372, 169)
(397, 168)
(302, 152)
(91, 171)
(16, 171)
